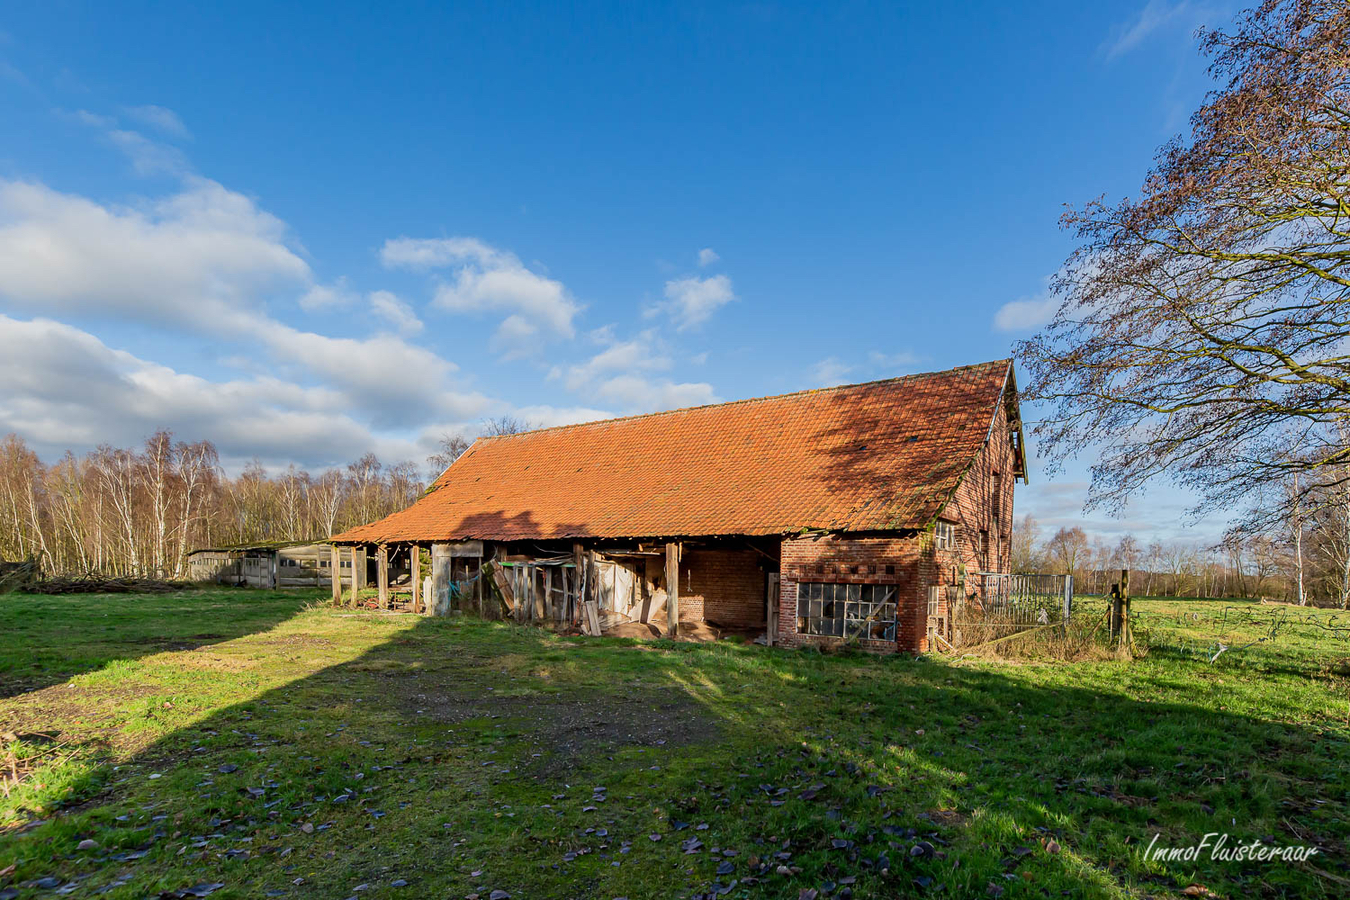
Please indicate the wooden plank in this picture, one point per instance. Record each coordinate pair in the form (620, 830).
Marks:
(593, 617)
(548, 592)
(574, 607)
(771, 614)
(382, 574)
(439, 601)
(539, 612)
(673, 589)
(478, 587)
(335, 562)
(415, 578)
(503, 589)
(359, 568)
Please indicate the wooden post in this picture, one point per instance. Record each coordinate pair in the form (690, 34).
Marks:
(382, 574)
(673, 589)
(439, 601)
(272, 570)
(548, 592)
(358, 572)
(1113, 613)
(771, 613)
(335, 570)
(578, 597)
(415, 563)
(1124, 620)
(479, 588)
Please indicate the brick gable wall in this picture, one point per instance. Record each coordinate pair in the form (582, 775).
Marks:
(973, 505)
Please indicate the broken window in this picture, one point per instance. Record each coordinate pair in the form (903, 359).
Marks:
(945, 535)
(847, 610)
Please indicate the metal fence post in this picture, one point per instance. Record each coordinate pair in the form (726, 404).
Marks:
(1068, 596)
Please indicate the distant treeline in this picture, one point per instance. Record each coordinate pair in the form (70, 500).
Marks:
(1310, 564)
(138, 512)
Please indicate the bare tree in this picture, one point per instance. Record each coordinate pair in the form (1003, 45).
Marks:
(450, 448)
(1202, 325)
(505, 425)
(1067, 548)
(1026, 538)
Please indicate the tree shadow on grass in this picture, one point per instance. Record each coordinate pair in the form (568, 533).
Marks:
(458, 757)
(50, 638)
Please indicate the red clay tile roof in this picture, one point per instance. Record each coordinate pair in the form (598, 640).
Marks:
(886, 455)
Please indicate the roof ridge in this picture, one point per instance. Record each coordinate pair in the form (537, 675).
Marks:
(820, 390)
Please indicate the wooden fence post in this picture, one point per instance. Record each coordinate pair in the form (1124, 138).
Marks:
(673, 589)
(335, 570)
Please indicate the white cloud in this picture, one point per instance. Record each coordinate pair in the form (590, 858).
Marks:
(893, 362)
(620, 374)
(486, 279)
(321, 297)
(638, 354)
(149, 157)
(693, 300)
(198, 259)
(1154, 17)
(435, 253)
(831, 371)
(1026, 314)
(544, 416)
(64, 388)
(638, 394)
(707, 256)
(395, 383)
(394, 311)
(160, 118)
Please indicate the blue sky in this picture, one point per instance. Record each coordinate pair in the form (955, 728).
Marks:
(308, 230)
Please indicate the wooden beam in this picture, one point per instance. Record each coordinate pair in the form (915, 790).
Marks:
(439, 601)
(673, 589)
(479, 588)
(579, 560)
(548, 592)
(382, 574)
(415, 562)
(358, 569)
(335, 570)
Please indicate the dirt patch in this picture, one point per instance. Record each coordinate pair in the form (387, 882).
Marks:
(97, 709)
(567, 728)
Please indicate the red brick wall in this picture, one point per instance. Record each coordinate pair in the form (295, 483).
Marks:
(722, 586)
(860, 560)
(973, 508)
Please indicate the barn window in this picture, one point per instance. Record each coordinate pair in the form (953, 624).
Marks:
(945, 534)
(847, 610)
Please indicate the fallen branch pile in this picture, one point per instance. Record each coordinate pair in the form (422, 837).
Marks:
(99, 585)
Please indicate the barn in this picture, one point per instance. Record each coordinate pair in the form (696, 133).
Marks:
(860, 513)
(273, 564)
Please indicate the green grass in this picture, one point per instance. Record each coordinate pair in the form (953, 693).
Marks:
(245, 738)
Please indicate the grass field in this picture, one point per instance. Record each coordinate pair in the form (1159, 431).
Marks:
(250, 744)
